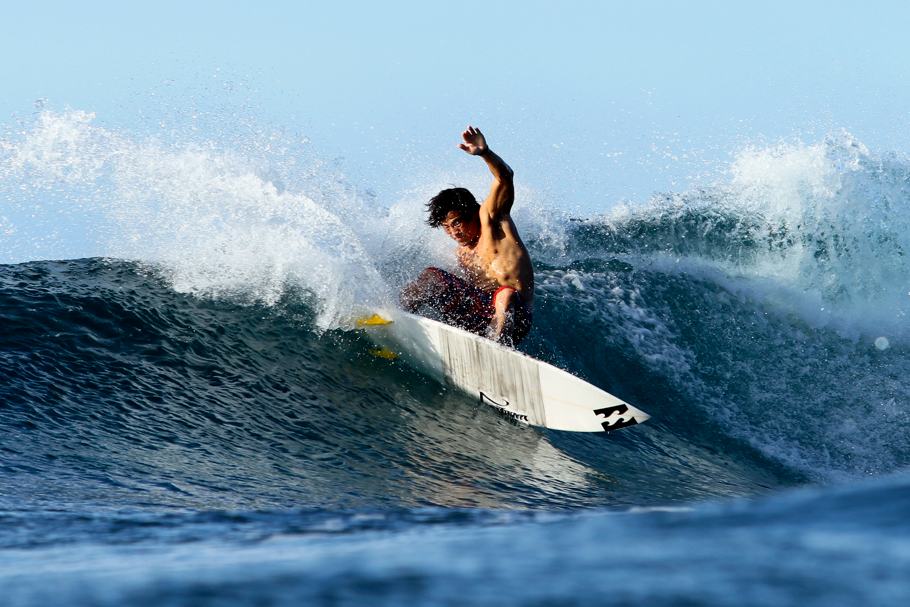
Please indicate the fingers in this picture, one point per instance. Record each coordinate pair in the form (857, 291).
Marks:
(472, 136)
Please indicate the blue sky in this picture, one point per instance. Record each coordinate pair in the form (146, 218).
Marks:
(592, 102)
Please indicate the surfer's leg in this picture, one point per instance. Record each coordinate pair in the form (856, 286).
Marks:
(454, 300)
(511, 319)
(430, 289)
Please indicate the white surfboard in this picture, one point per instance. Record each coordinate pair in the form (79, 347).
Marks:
(522, 388)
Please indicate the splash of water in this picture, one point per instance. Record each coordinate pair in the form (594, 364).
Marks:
(765, 299)
(219, 222)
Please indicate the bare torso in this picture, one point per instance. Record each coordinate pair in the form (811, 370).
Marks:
(499, 258)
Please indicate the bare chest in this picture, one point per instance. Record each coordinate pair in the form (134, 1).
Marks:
(487, 263)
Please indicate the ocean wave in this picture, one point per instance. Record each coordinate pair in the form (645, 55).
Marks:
(759, 319)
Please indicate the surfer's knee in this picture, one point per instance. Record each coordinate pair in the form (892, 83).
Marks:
(431, 275)
(514, 318)
(504, 299)
(409, 297)
(425, 290)
(428, 280)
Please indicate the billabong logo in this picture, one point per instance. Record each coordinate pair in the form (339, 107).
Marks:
(620, 422)
(513, 415)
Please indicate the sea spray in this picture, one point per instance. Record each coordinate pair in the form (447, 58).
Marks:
(747, 313)
(203, 214)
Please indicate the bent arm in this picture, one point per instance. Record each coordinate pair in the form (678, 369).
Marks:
(502, 192)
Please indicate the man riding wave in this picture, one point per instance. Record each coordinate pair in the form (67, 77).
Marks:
(494, 294)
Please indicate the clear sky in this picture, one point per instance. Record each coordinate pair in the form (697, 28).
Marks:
(592, 102)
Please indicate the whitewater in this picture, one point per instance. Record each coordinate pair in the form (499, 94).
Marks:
(188, 415)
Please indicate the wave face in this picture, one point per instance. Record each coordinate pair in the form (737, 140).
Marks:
(147, 396)
(203, 358)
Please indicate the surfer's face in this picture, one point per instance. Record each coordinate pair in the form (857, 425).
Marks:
(464, 230)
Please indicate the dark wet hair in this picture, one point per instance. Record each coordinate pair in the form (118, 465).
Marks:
(453, 199)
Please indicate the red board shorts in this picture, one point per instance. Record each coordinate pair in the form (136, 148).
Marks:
(457, 302)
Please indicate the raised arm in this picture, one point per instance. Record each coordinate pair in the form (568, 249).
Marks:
(502, 192)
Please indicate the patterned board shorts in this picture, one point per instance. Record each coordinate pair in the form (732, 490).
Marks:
(459, 303)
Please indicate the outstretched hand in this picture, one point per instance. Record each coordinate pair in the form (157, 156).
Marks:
(474, 142)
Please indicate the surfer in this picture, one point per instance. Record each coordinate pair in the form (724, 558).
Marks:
(493, 293)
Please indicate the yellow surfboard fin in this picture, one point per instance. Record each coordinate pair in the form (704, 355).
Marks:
(384, 353)
(372, 321)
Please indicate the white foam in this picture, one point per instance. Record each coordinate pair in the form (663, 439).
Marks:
(848, 216)
(249, 222)
(206, 214)
(826, 223)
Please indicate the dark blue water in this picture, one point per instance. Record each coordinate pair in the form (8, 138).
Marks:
(164, 449)
(200, 425)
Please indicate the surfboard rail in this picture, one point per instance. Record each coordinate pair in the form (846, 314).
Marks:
(522, 388)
